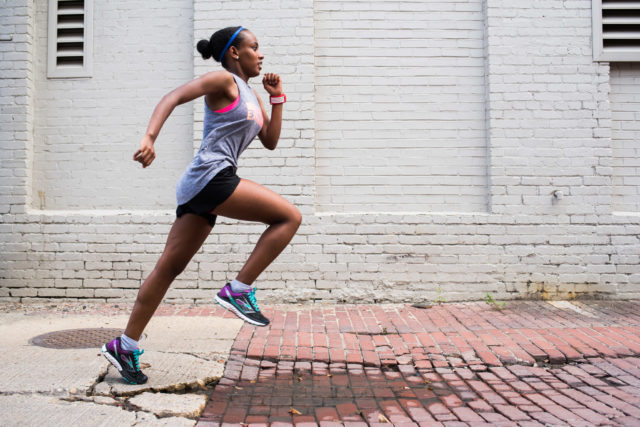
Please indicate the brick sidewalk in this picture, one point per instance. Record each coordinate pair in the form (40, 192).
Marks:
(454, 364)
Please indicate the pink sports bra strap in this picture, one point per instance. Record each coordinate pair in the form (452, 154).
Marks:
(229, 107)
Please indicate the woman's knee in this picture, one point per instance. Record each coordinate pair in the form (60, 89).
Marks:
(171, 267)
(293, 217)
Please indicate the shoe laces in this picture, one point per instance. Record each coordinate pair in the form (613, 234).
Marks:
(252, 298)
(136, 358)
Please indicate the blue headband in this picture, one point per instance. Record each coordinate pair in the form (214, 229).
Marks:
(233, 37)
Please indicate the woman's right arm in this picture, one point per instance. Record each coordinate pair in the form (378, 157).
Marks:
(215, 83)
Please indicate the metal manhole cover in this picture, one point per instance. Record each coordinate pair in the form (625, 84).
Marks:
(76, 338)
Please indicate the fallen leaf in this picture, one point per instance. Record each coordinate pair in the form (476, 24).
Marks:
(383, 419)
(426, 381)
(253, 381)
(423, 306)
(237, 388)
(299, 379)
(294, 411)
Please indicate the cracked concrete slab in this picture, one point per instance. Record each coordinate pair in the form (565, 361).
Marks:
(166, 422)
(166, 372)
(29, 368)
(26, 368)
(44, 370)
(164, 404)
(26, 410)
(33, 409)
(180, 351)
(206, 337)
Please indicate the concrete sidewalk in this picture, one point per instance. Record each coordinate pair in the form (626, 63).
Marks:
(529, 363)
(185, 350)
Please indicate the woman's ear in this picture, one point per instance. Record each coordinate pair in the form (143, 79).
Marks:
(234, 52)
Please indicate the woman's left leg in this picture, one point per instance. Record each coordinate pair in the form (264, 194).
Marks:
(186, 236)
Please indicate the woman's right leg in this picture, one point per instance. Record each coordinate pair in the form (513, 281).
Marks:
(253, 202)
(185, 239)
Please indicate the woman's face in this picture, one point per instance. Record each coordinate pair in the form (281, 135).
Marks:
(250, 56)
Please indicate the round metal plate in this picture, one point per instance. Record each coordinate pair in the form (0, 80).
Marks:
(76, 338)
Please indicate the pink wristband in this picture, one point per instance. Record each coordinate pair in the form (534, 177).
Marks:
(281, 99)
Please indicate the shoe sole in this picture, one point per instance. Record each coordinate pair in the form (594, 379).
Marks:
(115, 364)
(111, 359)
(237, 312)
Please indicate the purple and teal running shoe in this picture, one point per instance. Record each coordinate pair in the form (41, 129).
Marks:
(126, 362)
(243, 304)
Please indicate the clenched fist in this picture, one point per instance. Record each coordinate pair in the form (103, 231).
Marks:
(145, 154)
(272, 84)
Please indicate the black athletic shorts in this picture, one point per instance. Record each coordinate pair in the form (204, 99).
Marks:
(213, 194)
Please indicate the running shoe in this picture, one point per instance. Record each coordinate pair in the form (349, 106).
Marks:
(243, 304)
(126, 362)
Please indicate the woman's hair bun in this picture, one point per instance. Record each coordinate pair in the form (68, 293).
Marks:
(204, 47)
(215, 47)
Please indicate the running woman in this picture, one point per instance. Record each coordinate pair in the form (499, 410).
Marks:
(234, 116)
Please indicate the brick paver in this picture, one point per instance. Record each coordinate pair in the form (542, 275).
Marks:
(530, 364)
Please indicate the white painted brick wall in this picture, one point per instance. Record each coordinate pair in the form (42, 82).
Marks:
(545, 112)
(87, 130)
(16, 104)
(549, 118)
(625, 128)
(400, 111)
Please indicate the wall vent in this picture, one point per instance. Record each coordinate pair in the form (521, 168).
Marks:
(70, 38)
(616, 30)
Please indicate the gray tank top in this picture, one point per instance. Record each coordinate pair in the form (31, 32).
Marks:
(226, 135)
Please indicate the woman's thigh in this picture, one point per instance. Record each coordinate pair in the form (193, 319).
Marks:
(253, 202)
(187, 235)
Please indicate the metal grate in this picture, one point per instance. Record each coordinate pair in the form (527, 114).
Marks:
(76, 338)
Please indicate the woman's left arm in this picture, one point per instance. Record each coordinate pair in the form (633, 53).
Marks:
(270, 133)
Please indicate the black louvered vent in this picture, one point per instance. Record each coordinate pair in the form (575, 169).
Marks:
(70, 33)
(621, 25)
